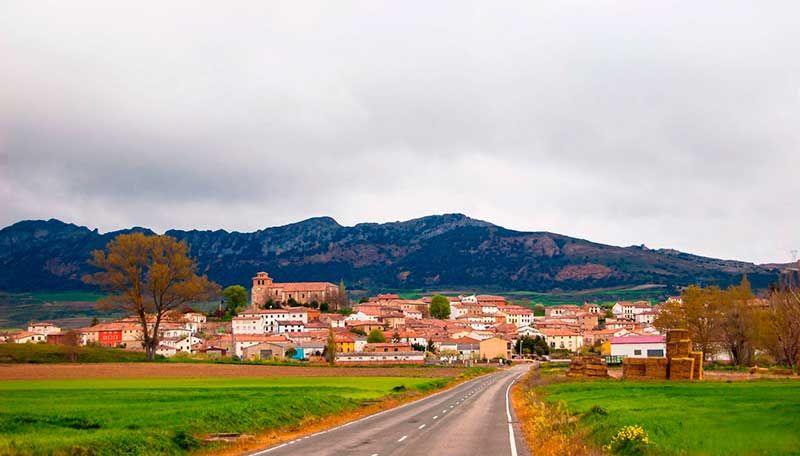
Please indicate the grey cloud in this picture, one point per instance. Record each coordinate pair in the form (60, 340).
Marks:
(669, 124)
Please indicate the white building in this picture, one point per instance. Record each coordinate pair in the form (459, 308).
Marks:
(43, 328)
(639, 346)
(628, 310)
(518, 316)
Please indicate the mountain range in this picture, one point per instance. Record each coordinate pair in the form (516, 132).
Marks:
(450, 251)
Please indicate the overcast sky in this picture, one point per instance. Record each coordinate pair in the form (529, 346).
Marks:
(673, 124)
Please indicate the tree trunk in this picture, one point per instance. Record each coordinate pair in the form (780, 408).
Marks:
(150, 349)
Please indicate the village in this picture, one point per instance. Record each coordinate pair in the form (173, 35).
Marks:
(283, 321)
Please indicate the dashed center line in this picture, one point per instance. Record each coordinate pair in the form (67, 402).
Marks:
(444, 411)
(421, 426)
(437, 416)
(402, 438)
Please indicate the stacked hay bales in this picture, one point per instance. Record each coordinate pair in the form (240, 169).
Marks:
(698, 365)
(587, 366)
(634, 368)
(656, 368)
(681, 368)
(681, 362)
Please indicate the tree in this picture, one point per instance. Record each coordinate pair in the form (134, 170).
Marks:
(737, 324)
(341, 295)
(324, 307)
(431, 347)
(538, 310)
(95, 321)
(376, 336)
(148, 276)
(235, 298)
(290, 352)
(314, 305)
(527, 345)
(330, 348)
(395, 337)
(440, 307)
(699, 312)
(417, 347)
(783, 325)
(358, 331)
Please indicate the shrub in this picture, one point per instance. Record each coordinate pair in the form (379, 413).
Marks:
(630, 440)
(597, 410)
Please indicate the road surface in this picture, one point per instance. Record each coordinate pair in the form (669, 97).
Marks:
(473, 418)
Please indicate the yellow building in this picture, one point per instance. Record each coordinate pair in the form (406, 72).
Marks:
(494, 347)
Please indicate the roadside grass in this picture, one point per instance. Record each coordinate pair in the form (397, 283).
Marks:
(165, 416)
(710, 418)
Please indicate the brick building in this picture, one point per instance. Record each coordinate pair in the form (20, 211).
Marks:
(264, 289)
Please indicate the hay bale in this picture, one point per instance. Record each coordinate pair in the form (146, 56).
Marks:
(634, 368)
(679, 349)
(697, 371)
(656, 368)
(674, 335)
(681, 368)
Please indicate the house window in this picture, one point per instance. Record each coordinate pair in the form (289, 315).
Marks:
(657, 353)
(637, 352)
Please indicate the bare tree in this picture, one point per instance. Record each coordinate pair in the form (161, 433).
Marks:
(148, 276)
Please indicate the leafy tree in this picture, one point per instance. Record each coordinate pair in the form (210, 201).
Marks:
(527, 345)
(291, 302)
(376, 336)
(781, 330)
(395, 337)
(440, 307)
(235, 298)
(363, 300)
(330, 348)
(95, 321)
(431, 346)
(538, 310)
(270, 304)
(314, 305)
(324, 307)
(358, 331)
(148, 276)
(290, 352)
(341, 295)
(417, 347)
(738, 323)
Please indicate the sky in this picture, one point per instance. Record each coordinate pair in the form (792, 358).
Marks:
(669, 124)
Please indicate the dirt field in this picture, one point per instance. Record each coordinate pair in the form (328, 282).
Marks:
(723, 375)
(164, 370)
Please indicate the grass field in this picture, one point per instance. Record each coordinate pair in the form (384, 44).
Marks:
(162, 416)
(708, 418)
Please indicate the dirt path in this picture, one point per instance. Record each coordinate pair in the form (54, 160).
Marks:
(177, 370)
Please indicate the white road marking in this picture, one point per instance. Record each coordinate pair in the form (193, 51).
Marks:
(437, 416)
(422, 426)
(402, 438)
(444, 411)
(374, 454)
(508, 415)
(368, 417)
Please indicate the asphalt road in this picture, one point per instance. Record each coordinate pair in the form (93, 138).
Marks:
(474, 418)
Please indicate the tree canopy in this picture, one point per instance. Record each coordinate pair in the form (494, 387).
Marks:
(235, 298)
(440, 307)
(148, 276)
(376, 336)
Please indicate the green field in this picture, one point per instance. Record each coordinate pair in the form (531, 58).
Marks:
(708, 418)
(161, 416)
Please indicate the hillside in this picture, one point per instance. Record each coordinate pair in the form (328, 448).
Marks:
(434, 252)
